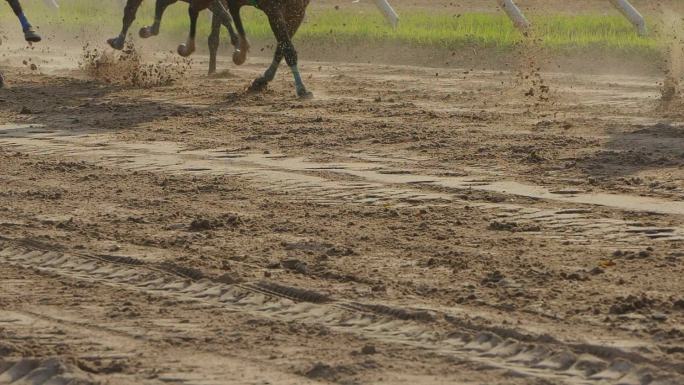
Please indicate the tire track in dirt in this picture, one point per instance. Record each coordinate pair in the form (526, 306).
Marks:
(373, 183)
(41, 371)
(442, 334)
(45, 344)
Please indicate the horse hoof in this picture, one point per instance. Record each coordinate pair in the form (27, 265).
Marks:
(184, 50)
(31, 36)
(145, 32)
(305, 95)
(258, 85)
(116, 43)
(239, 57)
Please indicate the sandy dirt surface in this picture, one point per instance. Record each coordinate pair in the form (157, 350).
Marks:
(408, 225)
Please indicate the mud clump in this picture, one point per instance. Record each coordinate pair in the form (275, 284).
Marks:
(127, 67)
(206, 224)
(512, 227)
(632, 304)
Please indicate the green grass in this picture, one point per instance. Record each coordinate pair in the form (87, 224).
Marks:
(420, 29)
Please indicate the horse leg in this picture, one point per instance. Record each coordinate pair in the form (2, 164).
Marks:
(260, 83)
(218, 8)
(29, 33)
(159, 9)
(240, 53)
(194, 9)
(129, 15)
(282, 35)
(214, 39)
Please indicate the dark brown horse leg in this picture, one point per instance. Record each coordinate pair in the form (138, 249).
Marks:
(240, 54)
(194, 9)
(261, 83)
(159, 9)
(29, 33)
(214, 39)
(129, 15)
(279, 25)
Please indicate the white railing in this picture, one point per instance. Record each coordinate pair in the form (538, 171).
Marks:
(520, 21)
(512, 10)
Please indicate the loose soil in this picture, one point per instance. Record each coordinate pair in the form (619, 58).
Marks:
(408, 225)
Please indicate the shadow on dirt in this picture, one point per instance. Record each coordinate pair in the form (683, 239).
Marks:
(71, 104)
(627, 153)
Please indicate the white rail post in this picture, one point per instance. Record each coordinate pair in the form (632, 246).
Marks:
(51, 3)
(389, 12)
(631, 14)
(515, 14)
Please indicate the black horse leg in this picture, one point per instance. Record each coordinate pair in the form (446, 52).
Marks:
(214, 39)
(29, 33)
(218, 8)
(129, 15)
(189, 47)
(159, 9)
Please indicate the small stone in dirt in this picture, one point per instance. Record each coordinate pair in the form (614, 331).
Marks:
(630, 304)
(201, 224)
(493, 277)
(228, 279)
(535, 157)
(6, 349)
(596, 271)
(678, 304)
(659, 317)
(368, 349)
(295, 265)
(320, 370)
(633, 255)
(25, 111)
(576, 276)
(512, 226)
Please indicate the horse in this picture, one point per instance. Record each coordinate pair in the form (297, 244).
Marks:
(284, 16)
(220, 16)
(30, 34)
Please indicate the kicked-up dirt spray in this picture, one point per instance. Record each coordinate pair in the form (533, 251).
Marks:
(674, 70)
(128, 68)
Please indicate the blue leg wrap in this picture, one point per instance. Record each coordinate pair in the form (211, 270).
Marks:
(297, 78)
(25, 25)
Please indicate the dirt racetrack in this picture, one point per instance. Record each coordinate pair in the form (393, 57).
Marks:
(407, 226)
